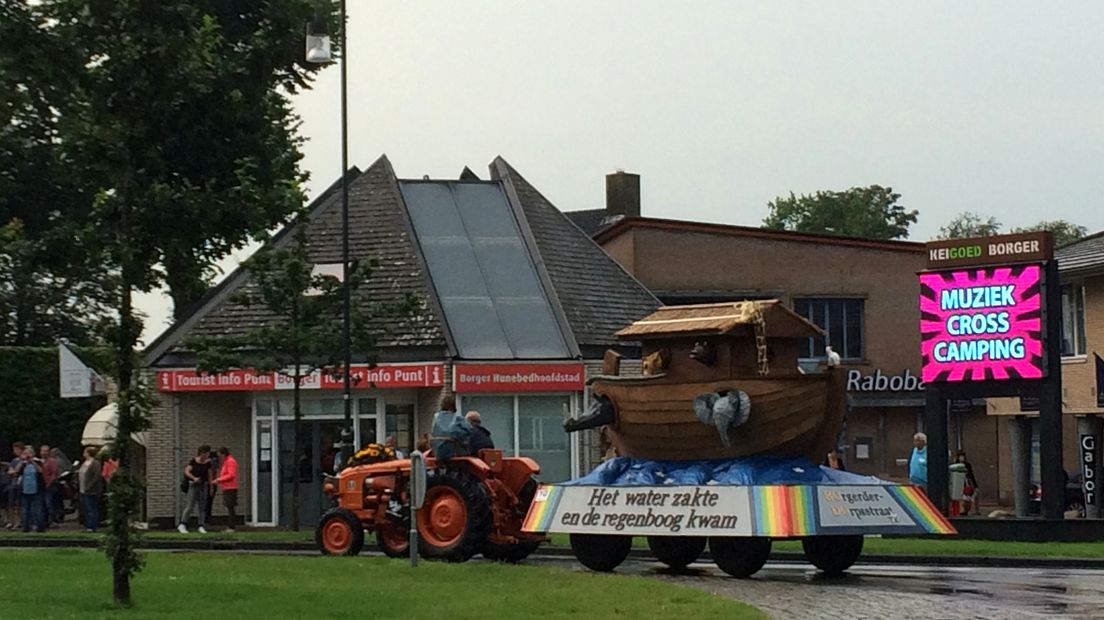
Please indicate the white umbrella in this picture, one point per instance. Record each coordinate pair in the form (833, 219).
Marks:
(99, 430)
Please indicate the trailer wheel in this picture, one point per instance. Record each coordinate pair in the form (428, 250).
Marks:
(739, 556)
(339, 532)
(832, 554)
(454, 520)
(677, 551)
(393, 540)
(512, 554)
(600, 552)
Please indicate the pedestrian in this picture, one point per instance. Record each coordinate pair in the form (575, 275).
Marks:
(91, 485)
(834, 460)
(215, 466)
(197, 483)
(918, 464)
(13, 491)
(394, 445)
(227, 481)
(32, 490)
(970, 488)
(49, 497)
(481, 437)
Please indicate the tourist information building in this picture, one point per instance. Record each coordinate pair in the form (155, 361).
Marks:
(517, 306)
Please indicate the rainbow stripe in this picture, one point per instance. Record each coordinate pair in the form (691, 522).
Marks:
(783, 510)
(916, 503)
(542, 509)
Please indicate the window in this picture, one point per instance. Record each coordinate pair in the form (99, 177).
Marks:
(1073, 320)
(841, 318)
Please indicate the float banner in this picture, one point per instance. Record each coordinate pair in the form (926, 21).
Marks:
(249, 380)
(732, 510)
(982, 324)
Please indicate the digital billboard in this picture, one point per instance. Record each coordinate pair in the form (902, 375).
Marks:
(982, 324)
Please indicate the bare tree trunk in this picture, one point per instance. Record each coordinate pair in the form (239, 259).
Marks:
(120, 523)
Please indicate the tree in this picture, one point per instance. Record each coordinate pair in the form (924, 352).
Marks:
(970, 224)
(142, 93)
(304, 331)
(40, 305)
(1064, 232)
(869, 212)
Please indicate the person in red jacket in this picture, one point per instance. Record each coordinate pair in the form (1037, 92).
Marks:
(227, 482)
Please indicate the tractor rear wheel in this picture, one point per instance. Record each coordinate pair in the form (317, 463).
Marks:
(738, 556)
(677, 552)
(516, 552)
(393, 540)
(339, 532)
(832, 554)
(455, 519)
(600, 552)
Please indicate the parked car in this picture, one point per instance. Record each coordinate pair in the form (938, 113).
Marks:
(1074, 496)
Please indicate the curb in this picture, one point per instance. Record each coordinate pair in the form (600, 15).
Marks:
(788, 557)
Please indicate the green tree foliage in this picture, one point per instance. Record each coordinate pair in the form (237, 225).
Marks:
(1064, 232)
(40, 305)
(869, 212)
(172, 120)
(199, 92)
(970, 224)
(304, 330)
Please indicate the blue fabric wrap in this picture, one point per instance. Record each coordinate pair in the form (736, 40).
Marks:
(752, 470)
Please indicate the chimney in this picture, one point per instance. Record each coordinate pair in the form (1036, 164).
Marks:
(623, 194)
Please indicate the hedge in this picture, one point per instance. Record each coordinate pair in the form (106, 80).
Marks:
(31, 409)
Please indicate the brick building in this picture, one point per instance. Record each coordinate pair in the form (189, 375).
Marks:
(862, 292)
(515, 304)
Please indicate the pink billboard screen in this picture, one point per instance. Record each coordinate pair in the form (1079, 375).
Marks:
(982, 324)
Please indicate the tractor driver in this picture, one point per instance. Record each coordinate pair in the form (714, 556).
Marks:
(451, 432)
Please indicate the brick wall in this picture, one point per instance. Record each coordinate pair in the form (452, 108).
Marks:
(217, 419)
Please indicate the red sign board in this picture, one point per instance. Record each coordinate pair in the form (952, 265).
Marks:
(247, 380)
(518, 378)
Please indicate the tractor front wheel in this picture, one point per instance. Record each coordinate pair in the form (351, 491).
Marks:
(455, 518)
(738, 556)
(677, 552)
(339, 532)
(832, 554)
(600, 552)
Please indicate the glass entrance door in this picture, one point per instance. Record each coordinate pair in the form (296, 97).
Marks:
(316, 458)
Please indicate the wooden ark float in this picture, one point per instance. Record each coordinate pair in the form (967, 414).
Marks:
(691, 351)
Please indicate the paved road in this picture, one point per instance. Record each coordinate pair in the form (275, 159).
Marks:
(897, 592)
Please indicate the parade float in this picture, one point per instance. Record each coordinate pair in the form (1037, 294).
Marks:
(717, 443)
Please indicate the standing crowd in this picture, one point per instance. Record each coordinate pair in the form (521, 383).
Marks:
(33, 485)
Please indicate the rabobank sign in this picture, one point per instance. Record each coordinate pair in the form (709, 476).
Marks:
(879, 382)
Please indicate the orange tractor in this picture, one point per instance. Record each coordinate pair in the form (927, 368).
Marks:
(472, 505)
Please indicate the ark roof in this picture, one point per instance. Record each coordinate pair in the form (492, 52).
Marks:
(726, 319)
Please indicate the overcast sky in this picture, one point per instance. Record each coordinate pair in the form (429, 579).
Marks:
(996, 107)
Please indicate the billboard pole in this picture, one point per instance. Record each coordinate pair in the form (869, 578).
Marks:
(935, 427)
(1050, 403)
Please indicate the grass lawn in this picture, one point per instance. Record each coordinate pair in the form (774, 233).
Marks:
(73, 583)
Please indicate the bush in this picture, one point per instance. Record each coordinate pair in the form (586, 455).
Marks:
(30, 407)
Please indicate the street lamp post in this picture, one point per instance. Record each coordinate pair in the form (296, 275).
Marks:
(318, 51)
